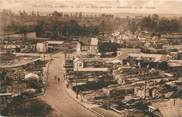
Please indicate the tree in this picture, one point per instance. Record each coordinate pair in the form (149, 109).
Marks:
(145, 23)
(132, 25)
(155, 24)
(163, 26)
(23, 30)
(56, 14)
(72, 28)
(40, 28)
(155, 17)
(166, 26)
(174, 25)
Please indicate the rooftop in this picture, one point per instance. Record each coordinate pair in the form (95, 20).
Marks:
(94, 41)
(94, 69)
(175, 63)
(55, 42)
(156, 57)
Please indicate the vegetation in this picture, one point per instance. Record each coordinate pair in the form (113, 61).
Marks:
(108, 47)
(57, 25)
(54, 25)
(155, 24)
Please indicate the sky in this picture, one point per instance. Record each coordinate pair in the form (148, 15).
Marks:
(107, 6)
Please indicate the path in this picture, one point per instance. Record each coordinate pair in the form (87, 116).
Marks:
(56, 95)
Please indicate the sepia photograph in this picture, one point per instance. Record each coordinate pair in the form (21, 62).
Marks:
(90, 58)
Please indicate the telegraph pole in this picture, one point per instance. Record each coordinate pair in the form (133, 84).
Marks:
(145, 88)
(76, 81)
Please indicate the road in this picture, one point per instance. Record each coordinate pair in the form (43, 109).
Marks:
(169, 108)
(56, 95)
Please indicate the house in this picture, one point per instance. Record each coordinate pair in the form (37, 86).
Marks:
(144, 36)
(174, 55)
(175, 67)
(31, 35)
(127, 35)
(116, 37)
(78, 48)
(154, 50)
(147, 60)
(78, 63)
(79, 66)
(148, 91)
(53, 45)
(179, 56)
(172, 47)
(134, 43)
(55, 42)
(28, 35)
(153, 57)
(90, 46)
(141, 91)
(93, 50)
(13, 35)
(173, 38)
(123, 52)
(42, 47)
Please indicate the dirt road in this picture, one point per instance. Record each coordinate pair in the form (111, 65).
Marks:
(56, 95)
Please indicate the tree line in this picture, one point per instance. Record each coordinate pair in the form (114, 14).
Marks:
(55, 28)
(155, 24)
